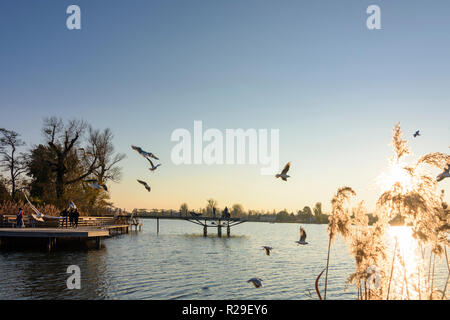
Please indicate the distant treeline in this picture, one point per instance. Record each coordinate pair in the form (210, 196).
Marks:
(306, 215)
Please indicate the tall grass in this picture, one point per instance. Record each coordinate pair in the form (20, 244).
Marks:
(408, 191)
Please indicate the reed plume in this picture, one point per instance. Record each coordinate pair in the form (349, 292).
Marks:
(409, 192)
(338, 222)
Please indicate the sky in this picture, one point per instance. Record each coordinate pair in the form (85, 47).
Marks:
(311, 69)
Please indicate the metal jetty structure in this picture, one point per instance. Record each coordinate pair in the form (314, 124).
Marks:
(205, 222)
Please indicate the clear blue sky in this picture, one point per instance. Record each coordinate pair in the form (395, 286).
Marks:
(309, 68)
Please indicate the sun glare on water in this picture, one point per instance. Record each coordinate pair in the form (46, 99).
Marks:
(408, 269)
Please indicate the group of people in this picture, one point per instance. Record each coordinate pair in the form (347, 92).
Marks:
(71, 214)
(225, 213)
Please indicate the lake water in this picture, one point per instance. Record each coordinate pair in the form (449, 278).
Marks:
(179, 263)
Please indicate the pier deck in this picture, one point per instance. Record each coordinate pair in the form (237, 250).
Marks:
(84, 232)
(10, 237)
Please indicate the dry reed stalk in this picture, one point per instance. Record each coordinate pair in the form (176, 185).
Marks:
(418, 280)
(429, 273)
(403, 288)
(359, 290)
(317, 285)
(432, 278)
(406, 282)
(392, 268)
(326, 274)
(365, 290)
(448, 275)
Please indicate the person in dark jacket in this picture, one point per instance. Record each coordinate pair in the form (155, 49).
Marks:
(71, 216)
(64, 214)
(19, 218)
(225, 213)
(76, 215)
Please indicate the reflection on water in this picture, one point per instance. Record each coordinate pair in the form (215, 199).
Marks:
(412, 268)
(178, 263)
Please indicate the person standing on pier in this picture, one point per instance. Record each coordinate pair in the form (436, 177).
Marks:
(64, 215)
(71, 223)
(19, 219)
(76, 215)
(225, 213)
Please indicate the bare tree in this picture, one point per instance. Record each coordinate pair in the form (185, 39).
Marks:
(63, 141)
(100, 145)
(184, 209)
(12, 162)
(211, 203)
(237, 210)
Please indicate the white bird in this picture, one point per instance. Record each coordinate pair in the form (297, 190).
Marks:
(257, 282)
(145, 185)
(153, 168)
(267, 249)
(95, 185)
(283, 175)
(445, 174)
(143, 153)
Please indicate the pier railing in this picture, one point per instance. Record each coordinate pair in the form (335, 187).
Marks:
(9, 221)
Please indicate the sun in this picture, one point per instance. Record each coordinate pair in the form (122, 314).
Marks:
(397, 176)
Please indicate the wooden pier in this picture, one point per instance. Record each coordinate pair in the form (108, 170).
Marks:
(49, 233)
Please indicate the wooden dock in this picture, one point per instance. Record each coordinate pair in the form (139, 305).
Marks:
(90, 228)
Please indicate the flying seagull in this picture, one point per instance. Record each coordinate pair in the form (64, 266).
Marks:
(302, 236)
(416, 134)
(267, 249)
(445, 174)
(257, 282)
(283, 174)
(143, 153)
(145, 185)
(94, 184)
(153, 168)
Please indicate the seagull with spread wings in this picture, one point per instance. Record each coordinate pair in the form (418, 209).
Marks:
(445, 174)
(267, 249)
(257, 282)
(153, 167)
(143, 153)
(144, 184)
(302, 237)
(283, 175)
(95, 185)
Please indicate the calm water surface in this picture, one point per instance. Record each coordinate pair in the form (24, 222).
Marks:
(178, 263)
